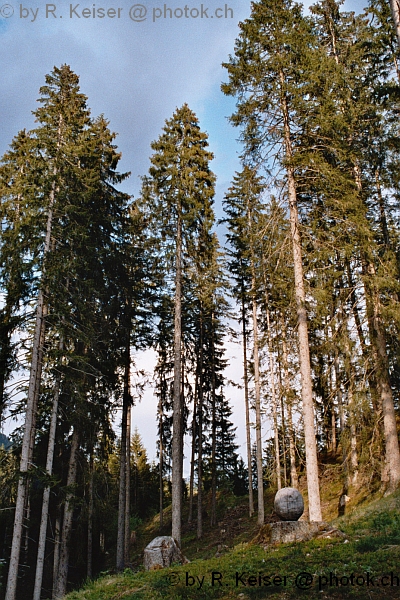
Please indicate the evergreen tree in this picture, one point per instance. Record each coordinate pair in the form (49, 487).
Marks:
(179, 192)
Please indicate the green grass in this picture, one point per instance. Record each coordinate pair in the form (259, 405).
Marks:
(370, 550)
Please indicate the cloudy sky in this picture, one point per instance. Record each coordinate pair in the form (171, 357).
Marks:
(137, 63)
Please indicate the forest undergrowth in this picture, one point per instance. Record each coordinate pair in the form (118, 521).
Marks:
(364, 563)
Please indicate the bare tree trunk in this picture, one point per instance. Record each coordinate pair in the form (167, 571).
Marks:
(120, 558)
(89, 571)
(25, 545)
(292, 450)
(30, 417)
(343, 439)
(382, 212)
(124, 475)
(283, 442)
(333, 429)
(392, 451)
(177, 425)
(395, 8)
(56, 557)
(213, 458)
(247, 410)
(200, 451)
(302, 329)
(355, 310)
(161, 461)
(274, 406)
(193, 450)
(5, 350)
(353, 437)
(46, 493)
(213, 436)
(127, 536)
(62, 576)
(257, 389)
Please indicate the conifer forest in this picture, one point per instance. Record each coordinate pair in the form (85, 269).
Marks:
(303, 272)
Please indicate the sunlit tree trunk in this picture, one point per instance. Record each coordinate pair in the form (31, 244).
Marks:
(395, 8)
(302, 330)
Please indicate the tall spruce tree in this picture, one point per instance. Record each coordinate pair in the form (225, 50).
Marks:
(62, 117)
(73, 224)
(179, 189)
(242, 203)
(271, 62)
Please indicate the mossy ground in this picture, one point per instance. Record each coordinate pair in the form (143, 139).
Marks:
(370, 550)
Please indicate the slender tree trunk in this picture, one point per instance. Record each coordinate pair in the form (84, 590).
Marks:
(56, 557)
(122, 490)
(382, 212)
(46, 493)
(89, 570)
(127, 536)
(161, 461)
(30, 418)
(213, 455)
(351, 413)
(257, 389)
(200, 452)
(395, 8)
(343, 438)
(333, 429)
(193, 450)
(292, 450)
(122, 495)
(392, 451)
(25, 545)
(177, 439)
(213, 434)
(274, 406)
(62, 576)
(378, 343)
(283, 442)
(5, 350)
(302, 329)
(247, 409)
(355, 310)
(353, 437)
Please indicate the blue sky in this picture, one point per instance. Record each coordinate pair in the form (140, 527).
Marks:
(136, 74)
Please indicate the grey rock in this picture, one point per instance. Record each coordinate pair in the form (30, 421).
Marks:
(284, 532)
(289, 504)
(290, 531)
(161, 553)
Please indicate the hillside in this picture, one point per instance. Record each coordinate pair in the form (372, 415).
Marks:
(352, 566)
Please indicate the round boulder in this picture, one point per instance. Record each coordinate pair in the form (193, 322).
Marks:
(288, 504)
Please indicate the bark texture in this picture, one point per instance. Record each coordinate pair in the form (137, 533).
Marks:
(302, 329)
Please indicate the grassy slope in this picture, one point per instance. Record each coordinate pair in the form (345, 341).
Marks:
(372, 545)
